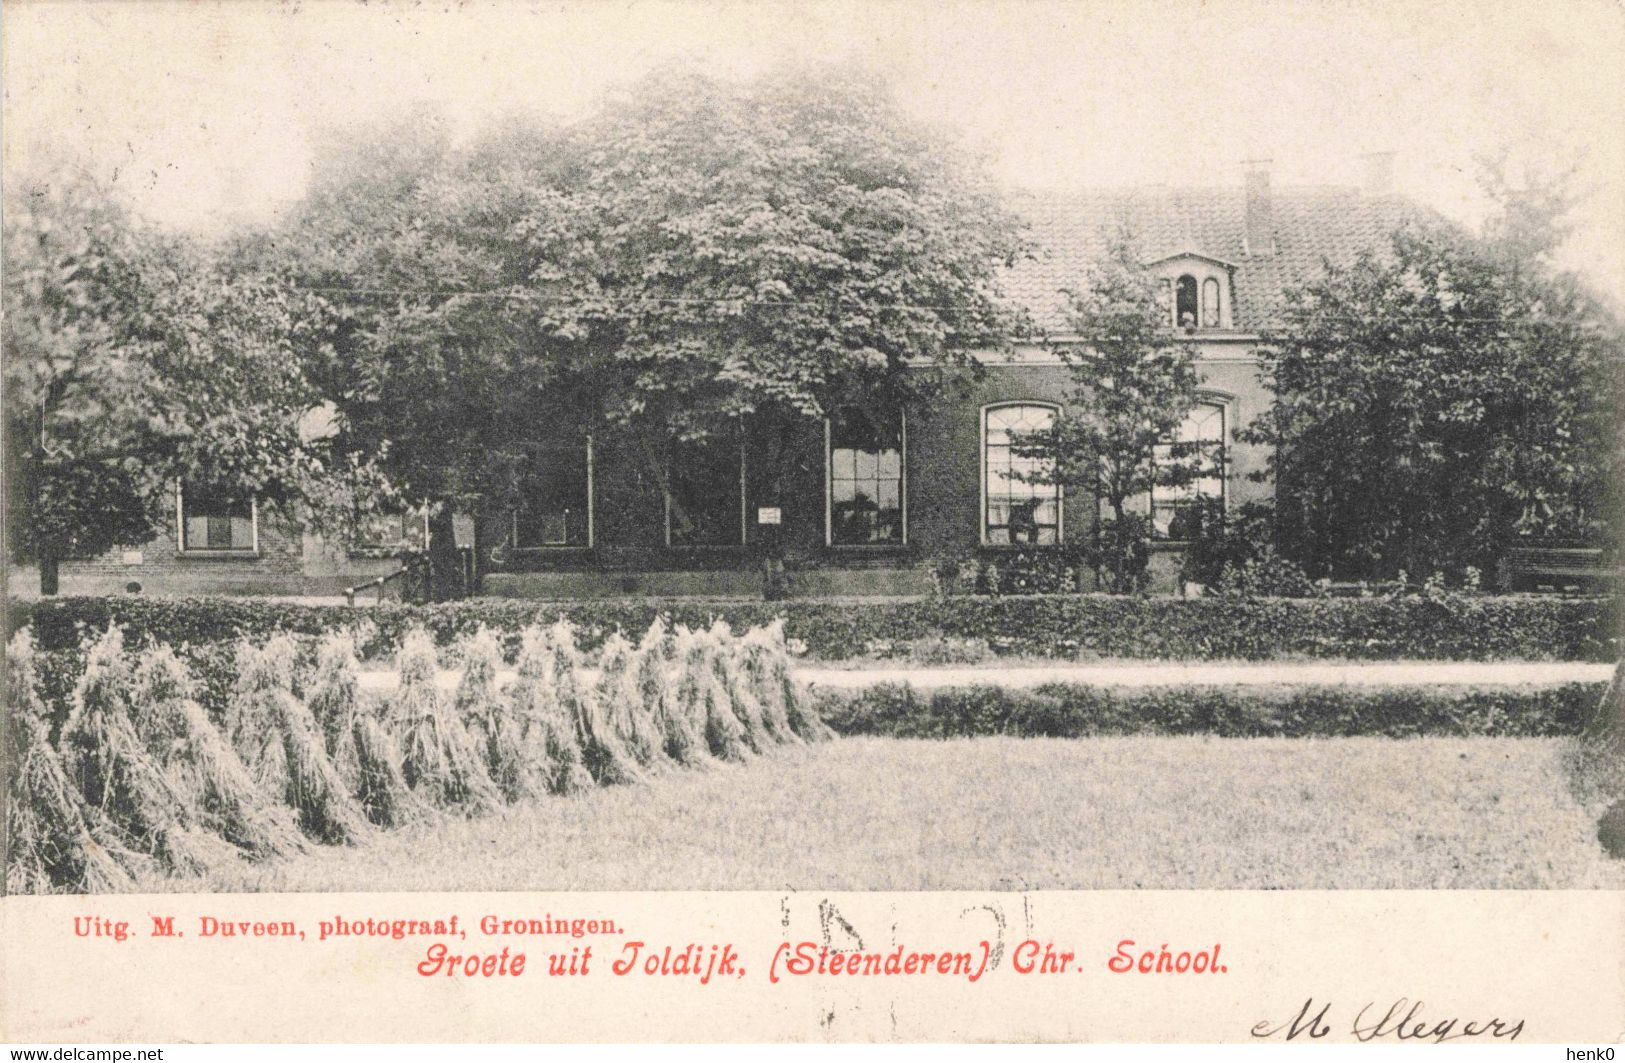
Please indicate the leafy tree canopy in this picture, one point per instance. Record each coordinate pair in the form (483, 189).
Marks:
(1439, 398)
(1133, 381)
(692, 252)
(132, 361)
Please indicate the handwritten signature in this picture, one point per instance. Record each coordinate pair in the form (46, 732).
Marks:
(1403, 1020)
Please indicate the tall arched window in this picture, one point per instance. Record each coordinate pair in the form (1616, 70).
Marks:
(1185, 302)
(1199, 449)
(1210, 303)
(1021, 502)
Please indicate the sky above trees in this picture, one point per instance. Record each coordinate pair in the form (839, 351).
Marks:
(207, 113)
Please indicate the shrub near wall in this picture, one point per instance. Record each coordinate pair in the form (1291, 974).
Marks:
(1454, 627)
(1072, 711)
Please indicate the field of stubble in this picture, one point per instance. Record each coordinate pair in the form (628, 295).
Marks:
(1006, 813)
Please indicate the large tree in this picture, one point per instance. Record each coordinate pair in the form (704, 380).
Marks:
(427, 268)
(777, 250)
(1438, 398)
(692, 255)
(1133, 381)
(132, 360)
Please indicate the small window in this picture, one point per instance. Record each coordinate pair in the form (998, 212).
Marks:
(1176, 510)
(555, 506)
(405, 529)
(1185, 302)
(1021, 507)
(213, 520)
(1210, 303)
(865, 481)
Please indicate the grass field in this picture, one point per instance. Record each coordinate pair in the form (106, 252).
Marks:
(1001, 813)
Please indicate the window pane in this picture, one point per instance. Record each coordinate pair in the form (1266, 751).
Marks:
(1206, 424)
(1174, 507)
(1185, 301)
(1161, 516)
(1023, 503)
(866, 483)
(1027, 478)
(845, 463)
(214, 520)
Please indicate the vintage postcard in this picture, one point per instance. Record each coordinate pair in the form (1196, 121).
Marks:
(694, 520)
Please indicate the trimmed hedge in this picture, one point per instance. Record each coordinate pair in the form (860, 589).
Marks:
(1073, 711)
(1070, 710)
(1451, 627)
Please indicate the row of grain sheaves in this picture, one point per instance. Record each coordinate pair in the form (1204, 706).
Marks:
(140, 782)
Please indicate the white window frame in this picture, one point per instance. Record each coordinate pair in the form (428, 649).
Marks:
(1217, 287)
(1201, 275)
(981, 509)
(1196, 286)
(829, 488)
(592, 506)
(253, 549)
(1226, 406)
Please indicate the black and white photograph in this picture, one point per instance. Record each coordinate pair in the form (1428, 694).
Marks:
(702, 446)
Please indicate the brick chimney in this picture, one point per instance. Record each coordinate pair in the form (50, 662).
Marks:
(1260, 235)
(1379, 173)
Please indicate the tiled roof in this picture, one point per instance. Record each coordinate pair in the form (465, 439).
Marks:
(1312, 225)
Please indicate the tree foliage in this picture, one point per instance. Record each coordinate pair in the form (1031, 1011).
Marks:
(1439, 399)
(133, 360)
(413, 258)
(1133, 381)
(793, 244)
(691, 255)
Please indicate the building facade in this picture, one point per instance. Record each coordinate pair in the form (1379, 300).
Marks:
(871, 499)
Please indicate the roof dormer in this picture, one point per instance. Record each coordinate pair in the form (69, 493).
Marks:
(1200, 293)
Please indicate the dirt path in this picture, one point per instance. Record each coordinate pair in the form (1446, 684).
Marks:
(1165, 673)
